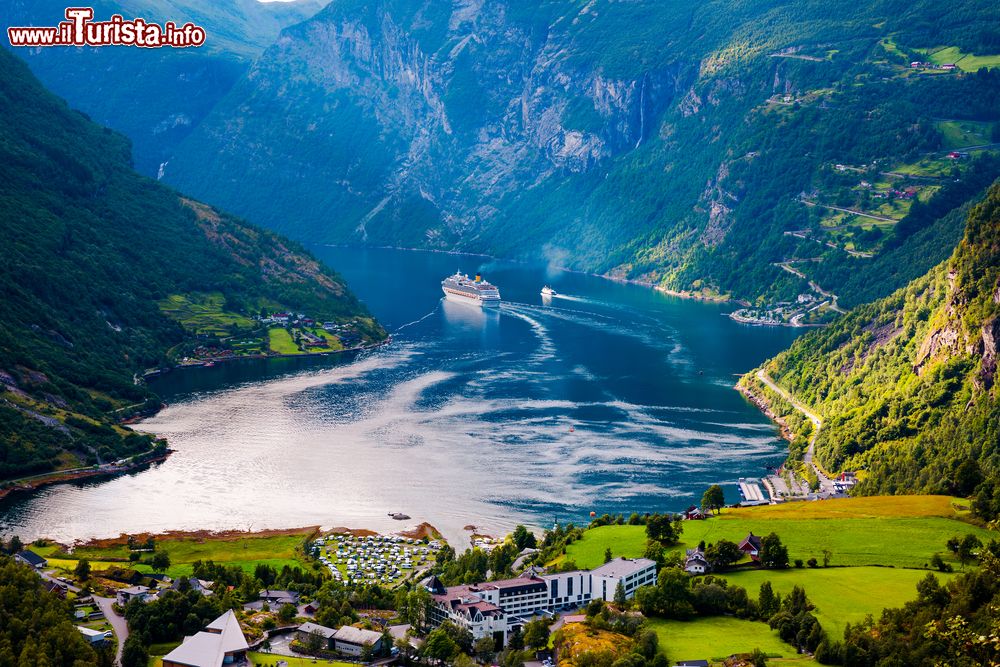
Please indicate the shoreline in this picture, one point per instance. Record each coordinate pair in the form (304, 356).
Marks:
(30, 484)
(734, 316)
(417, 532)
(681, 294)
(209, 363)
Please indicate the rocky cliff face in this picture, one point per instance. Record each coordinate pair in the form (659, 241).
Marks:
(420, 121)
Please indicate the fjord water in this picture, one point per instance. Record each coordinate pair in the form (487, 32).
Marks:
(607, 398)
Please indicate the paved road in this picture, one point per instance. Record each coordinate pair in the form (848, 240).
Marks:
(48, 576)
(117, 622)
(825, 483)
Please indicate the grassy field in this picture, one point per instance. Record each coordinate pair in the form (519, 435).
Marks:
(721, 636)
(203, 313)
(903, 531)
(261, 659)
(842, 595)
(964, 133)
(245, 551)
(966, 62)
(280, 341)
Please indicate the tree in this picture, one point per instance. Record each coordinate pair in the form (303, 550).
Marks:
(15, 545)
(314, 641)
(134, 653)
(607, 555)
(620, 598)
(757, 658)
(713, 499)
(663, 529)
(671, 596)
(367, 652)
(439, 646)
(82, 569)
(536, 633)
(485, 648)
(287, 612)
(160, 561)
(827, 557)
(967, 548)
(773, 554)
(723, 554)
(523, 538)
(767, 603)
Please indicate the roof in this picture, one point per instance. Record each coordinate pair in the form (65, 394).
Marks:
(134, 590)
(752, 541)
(691, 663)
(90, 633)
(317, 629)
(31, 558)
(399, 631)
(279, 595)
(623, 567)
(353, 635)
(209, 648)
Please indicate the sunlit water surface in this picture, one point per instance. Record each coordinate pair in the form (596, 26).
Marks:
(608, 398)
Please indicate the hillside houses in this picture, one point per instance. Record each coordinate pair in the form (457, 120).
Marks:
(750, 546)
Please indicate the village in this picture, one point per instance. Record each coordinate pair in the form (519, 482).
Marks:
(265, 335)
(377, 599)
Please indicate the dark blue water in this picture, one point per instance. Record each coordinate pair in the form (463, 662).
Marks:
(607, 398)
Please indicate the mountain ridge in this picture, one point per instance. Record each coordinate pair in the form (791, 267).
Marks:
(93, 252)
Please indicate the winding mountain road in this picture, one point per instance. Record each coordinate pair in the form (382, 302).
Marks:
(825, 483)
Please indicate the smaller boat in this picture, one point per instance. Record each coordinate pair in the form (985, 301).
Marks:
(548, 291)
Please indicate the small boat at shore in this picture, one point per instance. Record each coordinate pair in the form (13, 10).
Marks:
(548, 291)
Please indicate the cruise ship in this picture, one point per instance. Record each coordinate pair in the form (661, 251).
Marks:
(474, 291)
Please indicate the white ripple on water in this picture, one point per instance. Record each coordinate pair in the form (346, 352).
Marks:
(430, 441)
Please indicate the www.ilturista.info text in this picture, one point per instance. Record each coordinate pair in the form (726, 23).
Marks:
(79, 29)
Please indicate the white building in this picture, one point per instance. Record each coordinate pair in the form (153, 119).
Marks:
(350, 640)
(220, 643)
(696, 563)
(126, 595)
(632, 573)
(498, 607)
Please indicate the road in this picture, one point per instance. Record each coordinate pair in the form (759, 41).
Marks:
(117, 622)
(825, 483)
(852, 211)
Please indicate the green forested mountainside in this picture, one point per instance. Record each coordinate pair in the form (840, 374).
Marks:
(90, 248)
(35, 626)
(907, 385)
(155, 96)
(674, 143)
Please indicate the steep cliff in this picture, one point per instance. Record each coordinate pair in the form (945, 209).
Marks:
(651, 141)
(907, 385)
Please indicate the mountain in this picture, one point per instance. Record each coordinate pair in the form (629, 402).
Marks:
(107, 273)
(156, 96)
(694, 146)
(907, 386)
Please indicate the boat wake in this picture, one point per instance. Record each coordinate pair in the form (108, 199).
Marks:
(420, 319)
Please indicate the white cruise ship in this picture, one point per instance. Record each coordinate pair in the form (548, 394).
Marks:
(474, 291)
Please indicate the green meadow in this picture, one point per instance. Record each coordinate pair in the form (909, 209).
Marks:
(718, 637)
(203, 313)
(280, 341)
(842, 595)
(244, 551)
(964, 133)
(966, 62)
(893, 531)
